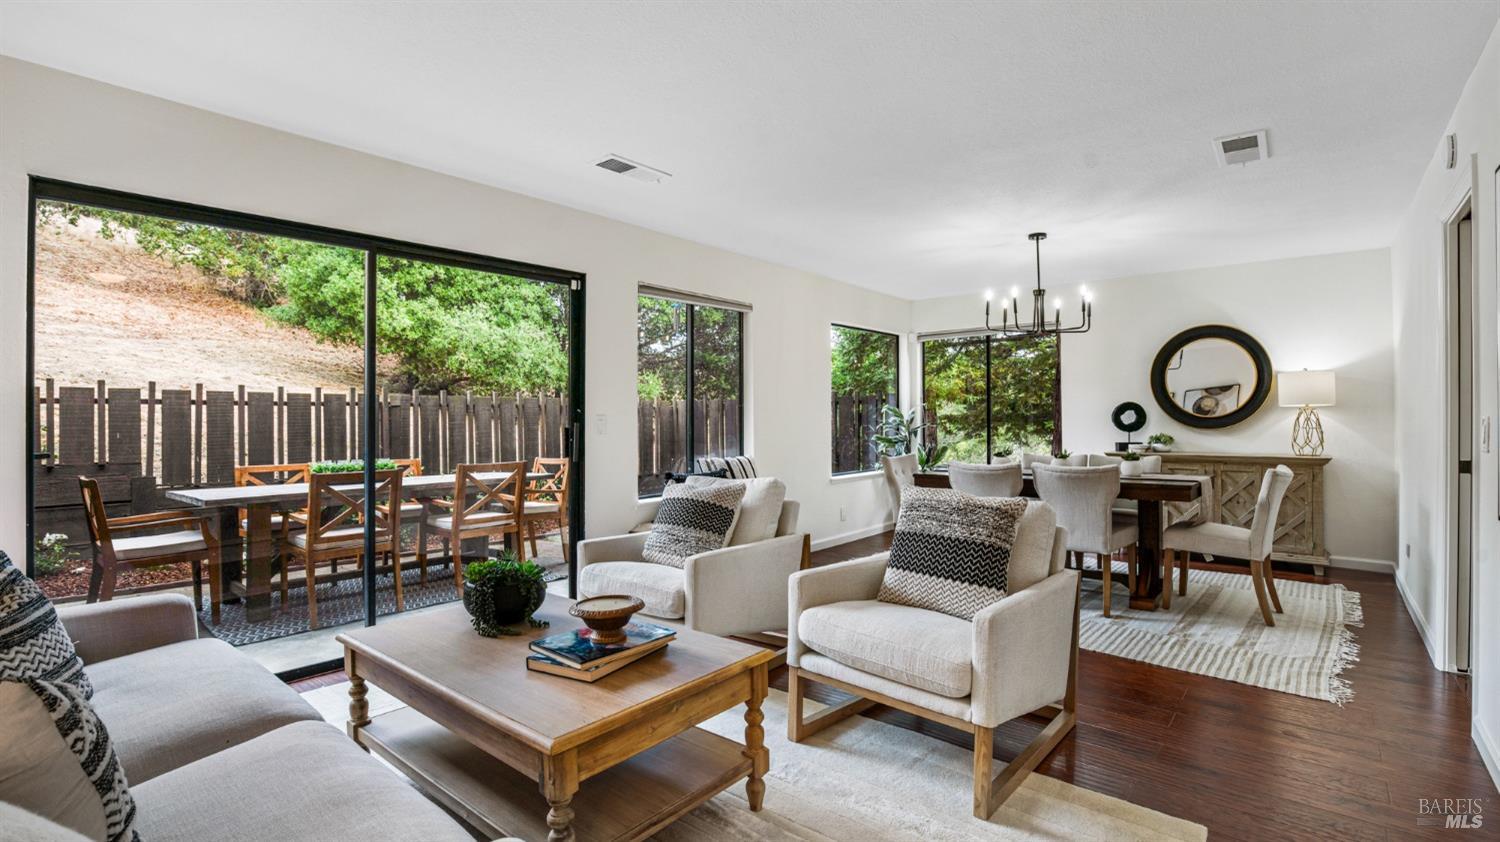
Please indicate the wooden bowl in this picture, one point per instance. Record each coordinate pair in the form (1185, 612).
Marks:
(607, 615)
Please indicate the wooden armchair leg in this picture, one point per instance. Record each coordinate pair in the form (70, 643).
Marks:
(1182, 571)
(96, 579)
(798, 728)
(107, 587)
(422, 548)
(310, 584)
(531, 528)
(990, 794)
(456, 556)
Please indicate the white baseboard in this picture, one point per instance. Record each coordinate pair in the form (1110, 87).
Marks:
(1420, 622)
(1373, 565)
(1488, 750)
(846, 537)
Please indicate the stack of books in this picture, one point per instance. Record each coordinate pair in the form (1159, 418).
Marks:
(574, 654)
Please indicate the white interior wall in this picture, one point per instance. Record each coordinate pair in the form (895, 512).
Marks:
(1418, 270)
(67, 127)
(1326, 312)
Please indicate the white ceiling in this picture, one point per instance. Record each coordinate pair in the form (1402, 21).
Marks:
(906, 147)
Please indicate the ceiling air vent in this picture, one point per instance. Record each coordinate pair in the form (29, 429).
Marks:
(632, 169)
(1241, 148)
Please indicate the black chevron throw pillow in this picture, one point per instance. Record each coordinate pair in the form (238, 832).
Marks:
(951, 552)
(33, 642)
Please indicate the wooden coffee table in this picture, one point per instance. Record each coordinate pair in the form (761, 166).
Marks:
(524, 753)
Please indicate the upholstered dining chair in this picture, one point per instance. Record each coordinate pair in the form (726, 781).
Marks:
(334, 528)
(1222, 539)
(1002, 479)
(1017, 656)
(1095, 460)
(496, 510)
(1084, 499)
(739, 590)
(900, 471)
(191, 539)
(1028, 460)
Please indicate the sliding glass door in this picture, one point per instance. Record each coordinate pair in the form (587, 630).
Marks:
(205, 385)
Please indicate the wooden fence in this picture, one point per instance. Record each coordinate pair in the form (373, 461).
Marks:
(854, 419)
(662, 428)
(139, 441)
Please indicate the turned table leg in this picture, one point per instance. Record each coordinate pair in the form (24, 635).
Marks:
(755, 739)
(559, 783)
(359, 703)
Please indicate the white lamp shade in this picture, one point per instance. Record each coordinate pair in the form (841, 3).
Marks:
(1305, 388)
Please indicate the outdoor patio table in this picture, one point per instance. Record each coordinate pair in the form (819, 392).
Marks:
(259, 502)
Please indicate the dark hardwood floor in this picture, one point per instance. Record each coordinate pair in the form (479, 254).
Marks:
(1254, 764)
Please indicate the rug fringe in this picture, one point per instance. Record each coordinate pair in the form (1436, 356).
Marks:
(1339, 688)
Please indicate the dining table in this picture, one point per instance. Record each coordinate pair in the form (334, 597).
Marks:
(252, 551)
(1151, 492)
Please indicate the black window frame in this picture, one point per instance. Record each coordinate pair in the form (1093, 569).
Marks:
(989, 406)
(689, 439)
(833, 452)
(45, 189)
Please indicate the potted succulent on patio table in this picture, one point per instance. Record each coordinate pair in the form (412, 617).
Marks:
(503, 592)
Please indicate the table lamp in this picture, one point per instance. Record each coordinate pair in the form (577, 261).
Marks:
(1305, 390)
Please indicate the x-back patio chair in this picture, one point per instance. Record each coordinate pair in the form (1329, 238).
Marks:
(335, 529)
(497, 509)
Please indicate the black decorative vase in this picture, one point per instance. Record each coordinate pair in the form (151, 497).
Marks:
(494, 604)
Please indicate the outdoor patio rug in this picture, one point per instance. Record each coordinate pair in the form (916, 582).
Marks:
(1216, 630)
(341, 602)
(865, 781)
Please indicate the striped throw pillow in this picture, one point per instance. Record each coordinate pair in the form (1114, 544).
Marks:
(735, 467)
(33, 642)
(83, 733)
(693, 519)
(951, 551)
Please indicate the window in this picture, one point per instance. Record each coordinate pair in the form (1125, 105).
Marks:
(982, 396)
(866, 377)
(690, 385)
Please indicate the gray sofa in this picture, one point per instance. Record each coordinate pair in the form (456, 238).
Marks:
(215, 747)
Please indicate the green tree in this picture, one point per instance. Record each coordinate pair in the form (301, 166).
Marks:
(1022, 382)
(445, 327)
(864, 363)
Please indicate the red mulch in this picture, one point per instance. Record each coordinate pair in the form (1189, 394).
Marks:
(75, 580)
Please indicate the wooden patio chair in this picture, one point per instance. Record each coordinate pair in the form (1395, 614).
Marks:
(193, 541)
(497, 510)
(547, 501)
(246, 475)
(335, 529)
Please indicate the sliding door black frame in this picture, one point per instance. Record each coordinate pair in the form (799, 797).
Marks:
(43, 189)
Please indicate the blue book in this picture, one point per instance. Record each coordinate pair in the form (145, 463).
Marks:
(578, 649)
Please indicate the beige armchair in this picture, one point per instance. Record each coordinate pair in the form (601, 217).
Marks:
(738, 590)
(1017, 656)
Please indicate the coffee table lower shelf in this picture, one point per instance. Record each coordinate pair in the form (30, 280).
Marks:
(629, 801)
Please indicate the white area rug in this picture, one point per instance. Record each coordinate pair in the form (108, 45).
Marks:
(866, 781)
(1216, 630)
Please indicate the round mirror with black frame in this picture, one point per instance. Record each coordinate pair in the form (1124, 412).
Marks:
(1211, 376)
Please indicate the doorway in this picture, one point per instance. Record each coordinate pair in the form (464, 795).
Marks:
(1460, 250)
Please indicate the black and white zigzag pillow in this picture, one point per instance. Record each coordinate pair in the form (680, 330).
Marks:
(84, 734)
(951, 551)
(33, 642)
(734, 467)
(693, 519)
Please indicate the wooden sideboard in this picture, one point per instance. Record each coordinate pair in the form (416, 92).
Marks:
(1237, 476)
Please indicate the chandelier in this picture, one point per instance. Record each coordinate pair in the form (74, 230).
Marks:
(1011, 326)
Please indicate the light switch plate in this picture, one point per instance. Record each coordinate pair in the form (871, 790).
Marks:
(601, 423)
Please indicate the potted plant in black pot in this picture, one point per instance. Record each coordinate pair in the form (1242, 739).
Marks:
(503, 592)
